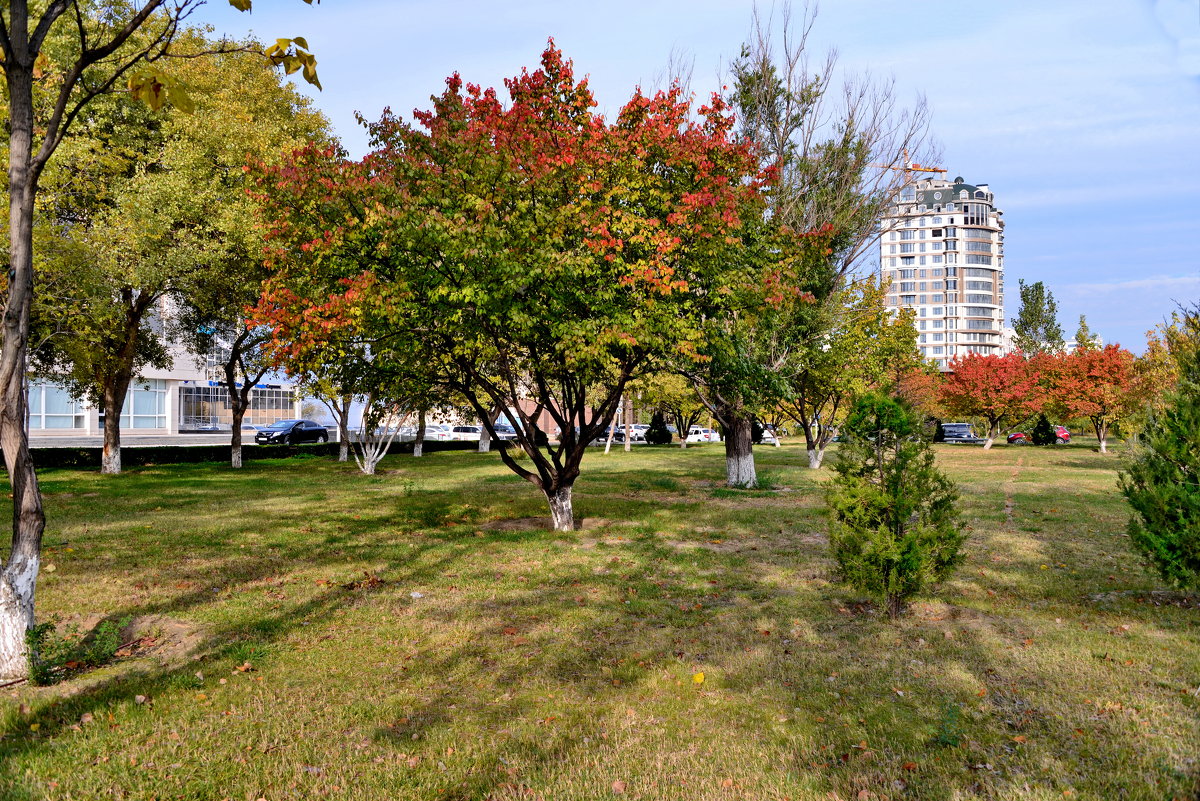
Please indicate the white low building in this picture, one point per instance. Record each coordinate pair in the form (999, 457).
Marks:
(185, 399)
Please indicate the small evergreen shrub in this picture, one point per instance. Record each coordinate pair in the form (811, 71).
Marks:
(1162, 479)
(949, 732)
(1043, 433)
(658, 433)
(894, 523)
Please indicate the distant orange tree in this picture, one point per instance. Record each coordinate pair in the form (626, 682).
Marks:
(997, 389)
(1099, 384)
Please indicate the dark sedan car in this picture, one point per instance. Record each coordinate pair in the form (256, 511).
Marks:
(1061, 436)
(292, 432)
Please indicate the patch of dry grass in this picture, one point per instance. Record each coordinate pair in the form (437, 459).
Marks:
(404, 641)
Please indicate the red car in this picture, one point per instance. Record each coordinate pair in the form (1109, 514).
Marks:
(1062, 436)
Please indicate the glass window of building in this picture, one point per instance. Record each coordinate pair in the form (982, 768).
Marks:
(51, 406)
(145, 404)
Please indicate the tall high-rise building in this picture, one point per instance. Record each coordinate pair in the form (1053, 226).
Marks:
(942, 247)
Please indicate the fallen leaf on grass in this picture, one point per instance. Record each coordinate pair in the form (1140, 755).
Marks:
(1020, 738)
(698, 679)
(618, 787)
(909, 766)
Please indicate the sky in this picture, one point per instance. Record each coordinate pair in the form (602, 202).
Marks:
(1083, 116)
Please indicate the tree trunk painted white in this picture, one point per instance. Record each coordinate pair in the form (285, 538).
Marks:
(485, 436)
(562, 515)
(812, 442)
(419, 442)
(235, 438)
(344, 430)
(1102, 435)
(17, 584)
(19, 576)
(991, 437)
(110, 458)
(612, 430)
(739, 454)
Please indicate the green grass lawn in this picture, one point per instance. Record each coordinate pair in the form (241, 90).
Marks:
(414, 635)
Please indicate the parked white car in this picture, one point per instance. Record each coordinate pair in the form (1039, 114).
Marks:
(697, 434)
(637, 433)
(465, 433)
(437, 432)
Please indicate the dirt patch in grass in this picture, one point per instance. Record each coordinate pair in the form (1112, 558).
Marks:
(168, 642)
(1183, 600)
(715, 545)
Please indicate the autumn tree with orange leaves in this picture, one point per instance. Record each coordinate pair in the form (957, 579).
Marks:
(519, 250)
(1099, 384)
(995, 388)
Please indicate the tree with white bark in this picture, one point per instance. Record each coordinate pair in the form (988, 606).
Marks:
(101, 46)
(854, 348)
(840, 154)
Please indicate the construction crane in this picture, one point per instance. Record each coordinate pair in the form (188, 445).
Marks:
(909, 167)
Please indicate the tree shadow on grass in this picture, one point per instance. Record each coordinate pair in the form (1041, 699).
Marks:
(582, 674)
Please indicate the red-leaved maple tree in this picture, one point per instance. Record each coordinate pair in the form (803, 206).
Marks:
(529, 255)
(996, 388)
(1101, 385)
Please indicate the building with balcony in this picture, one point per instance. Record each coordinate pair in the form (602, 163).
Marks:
(942, 250)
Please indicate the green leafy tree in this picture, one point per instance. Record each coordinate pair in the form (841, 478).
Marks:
(676, 397)
(1084, 338)
(1035, 328)
(1162, 478)
(59, 56)
(861, 348)
(894, 523)
(840, 154)
(169, 240)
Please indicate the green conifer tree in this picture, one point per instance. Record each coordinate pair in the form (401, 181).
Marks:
(658, 433)
(1162, 480)
(1043, 433)
(894, 524)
